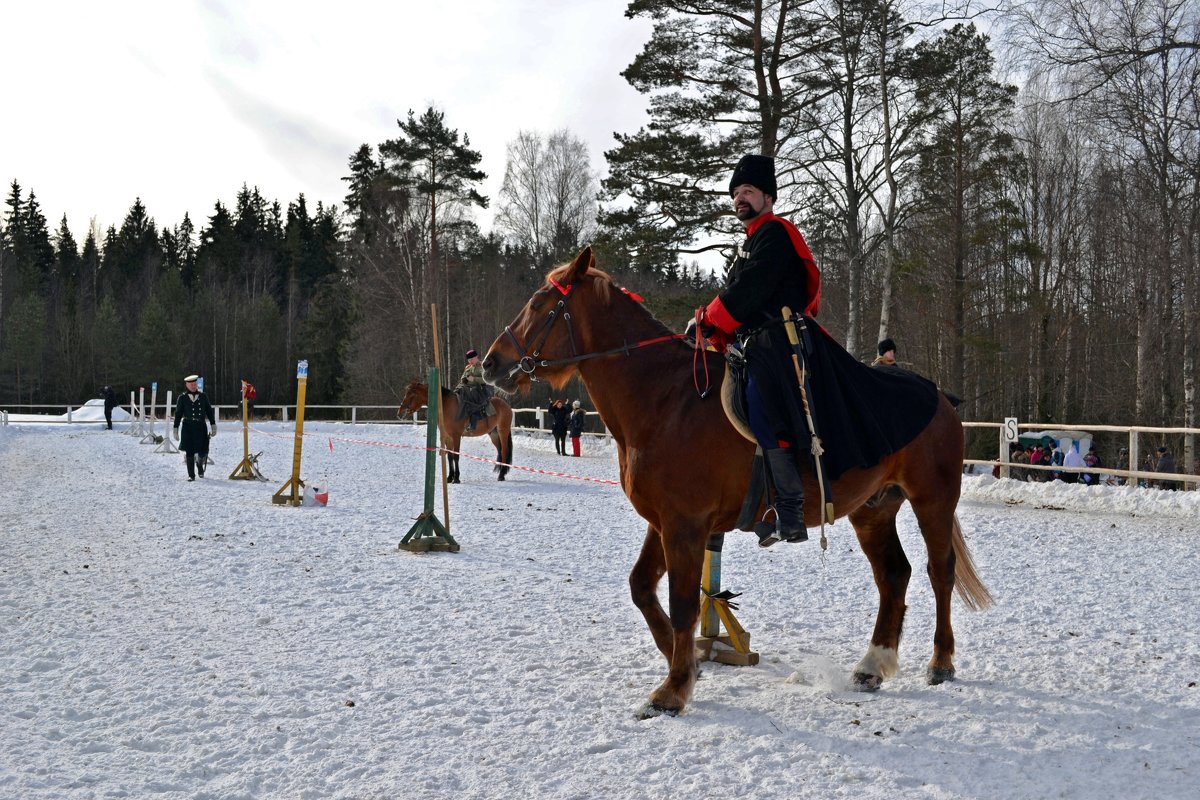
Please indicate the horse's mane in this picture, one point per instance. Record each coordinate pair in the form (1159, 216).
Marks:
(604, 282)
(604, 285)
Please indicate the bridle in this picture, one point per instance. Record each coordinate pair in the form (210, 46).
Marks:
(531, 358)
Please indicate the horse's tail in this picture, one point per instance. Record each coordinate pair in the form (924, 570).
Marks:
(967, 584)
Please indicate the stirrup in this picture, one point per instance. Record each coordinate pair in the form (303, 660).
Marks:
(768, 532)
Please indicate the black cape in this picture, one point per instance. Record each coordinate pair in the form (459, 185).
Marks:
(861, 413)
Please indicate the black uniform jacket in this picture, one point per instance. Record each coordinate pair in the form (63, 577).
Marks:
(191, 412)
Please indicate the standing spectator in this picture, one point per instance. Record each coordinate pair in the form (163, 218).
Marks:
(1019, 456)
(1035, 457)
(110, 402)
(575, 426)
(558, 425)
(1147, 466)
(1091, 460)
(1072, 459)
(1122, 463)
(887, 354)
(191, 412)
(1165, 463)
(1056, 459)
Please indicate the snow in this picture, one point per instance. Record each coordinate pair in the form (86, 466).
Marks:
(160, 638)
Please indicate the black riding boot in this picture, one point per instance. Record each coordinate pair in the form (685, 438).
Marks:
(190, 460)
(201, 463)
(789, 499)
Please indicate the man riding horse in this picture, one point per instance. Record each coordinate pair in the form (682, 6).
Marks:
(474, 392)
(774, 268)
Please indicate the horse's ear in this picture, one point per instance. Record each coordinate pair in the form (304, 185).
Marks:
(579, 267)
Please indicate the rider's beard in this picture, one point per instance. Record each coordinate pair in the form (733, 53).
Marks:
(746, 211)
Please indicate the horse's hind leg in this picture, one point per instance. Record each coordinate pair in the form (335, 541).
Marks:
(501, 470)
(936, 519)
(876, 531)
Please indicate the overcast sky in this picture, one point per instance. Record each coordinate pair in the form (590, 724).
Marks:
(180, 103)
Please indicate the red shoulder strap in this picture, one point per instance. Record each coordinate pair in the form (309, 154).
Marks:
(810, 266)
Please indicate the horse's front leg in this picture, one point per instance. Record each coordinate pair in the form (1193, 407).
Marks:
(684, 554)
(643, 588)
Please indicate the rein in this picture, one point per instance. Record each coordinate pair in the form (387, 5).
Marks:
(531, 358)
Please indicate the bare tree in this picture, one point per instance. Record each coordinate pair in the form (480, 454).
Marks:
(548, 199)
(1092, 42)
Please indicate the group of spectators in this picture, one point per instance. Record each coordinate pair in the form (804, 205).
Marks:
(564, 420)
(1051, 455)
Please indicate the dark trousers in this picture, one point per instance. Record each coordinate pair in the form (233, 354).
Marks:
(194, 461)
(560, 442)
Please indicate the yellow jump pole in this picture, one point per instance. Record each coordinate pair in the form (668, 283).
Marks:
(245, 470)
(294, 483)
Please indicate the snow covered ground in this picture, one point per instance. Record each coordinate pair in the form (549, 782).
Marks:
(167, 639)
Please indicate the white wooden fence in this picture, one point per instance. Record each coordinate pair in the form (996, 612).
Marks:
(1134, 434)
(535, 420)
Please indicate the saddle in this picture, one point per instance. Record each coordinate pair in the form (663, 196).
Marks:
(474, 403)
(733, 401)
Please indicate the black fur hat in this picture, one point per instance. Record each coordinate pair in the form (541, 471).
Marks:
(758, 171)
(885, 345)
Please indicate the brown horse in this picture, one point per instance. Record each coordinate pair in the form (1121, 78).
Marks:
(686, 470)
(498, 426)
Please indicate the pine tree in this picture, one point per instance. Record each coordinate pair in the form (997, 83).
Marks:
(431, 160)
(107, 344)
(725, 78)
(435, 171)
(24, 345)
(963, 164)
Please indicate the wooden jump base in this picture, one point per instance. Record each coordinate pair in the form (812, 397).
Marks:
(247, 468)
(732, 647)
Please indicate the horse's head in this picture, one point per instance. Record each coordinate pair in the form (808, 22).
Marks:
(557, 324)
(415, 395)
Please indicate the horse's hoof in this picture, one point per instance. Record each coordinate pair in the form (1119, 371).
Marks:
(867, 683)
(500, 478)
(652, 710)
(935, 676)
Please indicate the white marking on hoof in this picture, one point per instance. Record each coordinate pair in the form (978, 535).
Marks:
(881, 661)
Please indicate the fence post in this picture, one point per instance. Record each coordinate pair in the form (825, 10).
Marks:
(1008, 435)
(1135, 460)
